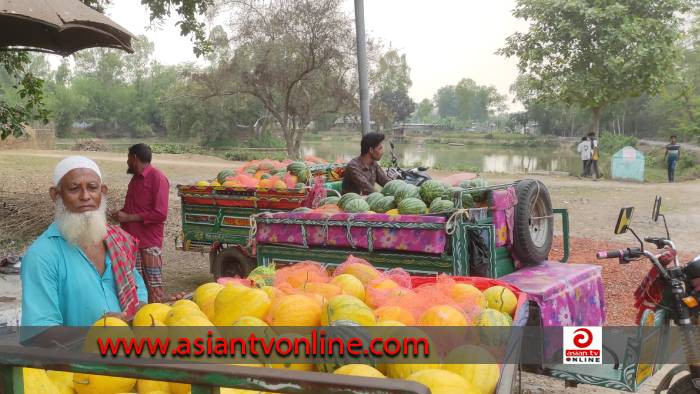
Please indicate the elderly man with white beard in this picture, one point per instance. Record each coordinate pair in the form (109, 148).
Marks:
(80, 268)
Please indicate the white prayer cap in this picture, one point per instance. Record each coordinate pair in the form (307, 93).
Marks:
(72, 163)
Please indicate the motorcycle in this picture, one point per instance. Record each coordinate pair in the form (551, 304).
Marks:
(415, 176)
(670, 286)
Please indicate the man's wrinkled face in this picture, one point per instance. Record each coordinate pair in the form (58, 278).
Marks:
(131, 164)
(81, 206)
(80, 190)
(376, 152)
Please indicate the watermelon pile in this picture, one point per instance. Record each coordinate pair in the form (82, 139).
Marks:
(264, 174)
(399, 197)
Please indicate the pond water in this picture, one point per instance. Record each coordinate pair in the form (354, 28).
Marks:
(502, 159)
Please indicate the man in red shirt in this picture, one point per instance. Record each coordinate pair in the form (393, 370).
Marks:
(143, 216)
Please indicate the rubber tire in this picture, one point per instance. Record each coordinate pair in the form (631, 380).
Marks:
(683, 385)
(230, 262)
(524, 248)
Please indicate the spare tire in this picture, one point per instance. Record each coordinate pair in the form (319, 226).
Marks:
(533, 223)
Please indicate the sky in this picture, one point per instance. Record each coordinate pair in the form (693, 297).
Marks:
(443, 40)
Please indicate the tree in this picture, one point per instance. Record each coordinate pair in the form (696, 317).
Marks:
(22, 100)
(391, 81)
(294, 57)
(593, 53)
(424, 110)
(446, 102)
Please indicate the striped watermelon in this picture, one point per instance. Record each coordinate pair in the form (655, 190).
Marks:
(374, 197)
(412, 206)
(439, 206)
(383, 205)
(430, 190)
(406, 191)
(356, 205)
(300, 170)
(347, 197)
(329, 200)
(392, 187)
(223, 174)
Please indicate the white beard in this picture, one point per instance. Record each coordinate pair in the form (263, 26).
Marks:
(82, 228)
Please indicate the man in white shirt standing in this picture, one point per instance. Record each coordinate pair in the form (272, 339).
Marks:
(584, 148)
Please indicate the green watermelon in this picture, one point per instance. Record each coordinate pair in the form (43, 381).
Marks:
(439, 206)
(392, 186)
(329, 200)
(356, 205)
(430, 190)
(302, 209)
(383, 204)
(300, 170)
(251, 170)
(406, 191)
(346, 198)
(412, 206)
(223, 174)
(345, 329)
(262, 275)
(300, 186)
(374, 197)
(265, 176)
(451, 194)
(474, 183)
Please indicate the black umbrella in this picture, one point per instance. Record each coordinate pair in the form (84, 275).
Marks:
(58, 26)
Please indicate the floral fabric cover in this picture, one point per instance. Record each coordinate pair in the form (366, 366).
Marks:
(568, 294)
(353, 233)
(504, 202)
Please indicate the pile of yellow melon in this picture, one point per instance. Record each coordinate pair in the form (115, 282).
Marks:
(306, 295)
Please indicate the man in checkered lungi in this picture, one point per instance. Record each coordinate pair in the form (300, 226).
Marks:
(143, 216)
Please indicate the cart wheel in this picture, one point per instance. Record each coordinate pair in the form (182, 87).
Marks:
(683, 385)
(230, 262)
(534, 227)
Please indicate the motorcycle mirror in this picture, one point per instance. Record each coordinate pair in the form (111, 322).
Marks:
(657, 208)
(422, 168)
(624, 220)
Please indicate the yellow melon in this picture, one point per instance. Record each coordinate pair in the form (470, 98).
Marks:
(359, 370)
(180, 388)
(393, 212)
(326, 290)
(443, 382)
(365, 273)
(228, 295)
(177, 312)
(354, 312)
(252, 302)
(150, 312)
(204, 297)
(501, 299)
(187, 302)
(442, 315)
(467, 294)
(272, 292)
(202, 183)
(280, 185)
(295, 310)
(470, 362)
(350, 285)
(249, 321)
(396, 313)
(37, 382)
(144, 386)
(93, 384)
(61, 378)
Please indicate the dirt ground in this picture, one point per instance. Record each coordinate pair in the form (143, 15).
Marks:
(593, 208)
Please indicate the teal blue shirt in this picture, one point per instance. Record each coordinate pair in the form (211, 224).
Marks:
(60, 286)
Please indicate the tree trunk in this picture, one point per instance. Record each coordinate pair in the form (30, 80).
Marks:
(595, 125)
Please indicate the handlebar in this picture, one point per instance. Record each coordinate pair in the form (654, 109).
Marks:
(610, 254)
(623, 254)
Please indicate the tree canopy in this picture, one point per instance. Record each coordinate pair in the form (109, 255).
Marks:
(592, 53)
